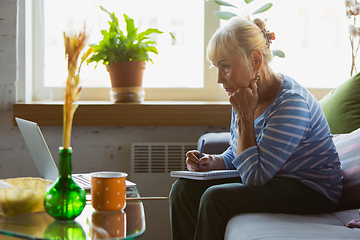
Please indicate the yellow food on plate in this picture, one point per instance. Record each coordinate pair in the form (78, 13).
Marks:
(22, 195)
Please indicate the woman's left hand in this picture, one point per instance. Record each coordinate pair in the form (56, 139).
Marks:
(244, 101)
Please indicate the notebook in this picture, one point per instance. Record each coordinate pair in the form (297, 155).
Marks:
(42, 156)
(205, 175)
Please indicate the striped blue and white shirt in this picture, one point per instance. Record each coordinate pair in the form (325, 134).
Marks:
(293, 140)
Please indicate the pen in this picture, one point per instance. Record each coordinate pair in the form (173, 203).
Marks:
(201, 150)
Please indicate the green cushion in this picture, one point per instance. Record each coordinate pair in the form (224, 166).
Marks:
(342, 106)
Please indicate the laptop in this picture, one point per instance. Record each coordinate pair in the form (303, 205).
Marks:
(43, 158)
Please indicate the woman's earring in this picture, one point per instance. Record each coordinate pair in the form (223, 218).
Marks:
(257, 77)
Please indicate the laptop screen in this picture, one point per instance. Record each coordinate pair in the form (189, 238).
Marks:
(38, 149)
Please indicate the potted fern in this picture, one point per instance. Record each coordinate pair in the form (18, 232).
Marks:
(125, 57)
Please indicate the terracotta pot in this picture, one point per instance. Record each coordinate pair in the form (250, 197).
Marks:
(126, 74)
(126, 81)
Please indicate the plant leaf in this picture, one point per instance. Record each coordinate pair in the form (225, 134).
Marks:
(130, 28)
(248, 1)
(263, 8)
(224, 15)
(172, 36)
(143, 35)
(223, 3)
(150, 42)
(114, 19)
(153, 49)
(111, 16)
(278, 53)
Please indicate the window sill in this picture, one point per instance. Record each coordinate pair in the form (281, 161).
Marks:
(148, 113)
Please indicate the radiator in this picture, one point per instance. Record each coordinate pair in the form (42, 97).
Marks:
(159, 157)
(151, 164)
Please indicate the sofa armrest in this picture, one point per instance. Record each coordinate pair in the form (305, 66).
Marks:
(215, 143)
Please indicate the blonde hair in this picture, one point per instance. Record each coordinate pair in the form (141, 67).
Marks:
(240, 37)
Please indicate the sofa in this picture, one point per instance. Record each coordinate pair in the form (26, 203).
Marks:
(342, 110)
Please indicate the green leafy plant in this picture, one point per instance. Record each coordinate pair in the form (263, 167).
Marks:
(225, 15)
(118, 47)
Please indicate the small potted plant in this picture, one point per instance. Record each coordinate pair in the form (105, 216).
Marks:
(125, 57)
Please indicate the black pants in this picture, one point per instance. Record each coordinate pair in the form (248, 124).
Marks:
(202, 209)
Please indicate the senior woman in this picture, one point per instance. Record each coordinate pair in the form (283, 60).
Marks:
(280, 143)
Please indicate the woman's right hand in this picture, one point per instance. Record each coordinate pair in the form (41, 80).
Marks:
(207, 162)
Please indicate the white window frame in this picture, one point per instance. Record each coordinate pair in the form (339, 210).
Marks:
(29, 88)
(29, 43)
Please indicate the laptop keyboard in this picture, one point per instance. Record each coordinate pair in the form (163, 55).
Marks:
(84, 181)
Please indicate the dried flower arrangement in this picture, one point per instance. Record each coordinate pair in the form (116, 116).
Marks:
(74, 44)
(353, 12)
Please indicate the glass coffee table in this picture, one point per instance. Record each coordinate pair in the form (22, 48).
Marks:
(91, 224)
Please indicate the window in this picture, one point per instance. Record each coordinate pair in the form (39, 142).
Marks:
(180, 66)
(188, 32)
(313, 35)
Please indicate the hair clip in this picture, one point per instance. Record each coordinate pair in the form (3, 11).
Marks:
(269, 36)
(272, 36)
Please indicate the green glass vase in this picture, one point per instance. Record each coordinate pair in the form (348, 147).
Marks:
(65, 230)
(64, 199)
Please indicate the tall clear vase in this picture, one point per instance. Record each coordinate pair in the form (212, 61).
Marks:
(64, 199)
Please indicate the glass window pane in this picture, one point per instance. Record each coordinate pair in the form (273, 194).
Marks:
(314, 36)
(179, 63)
